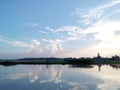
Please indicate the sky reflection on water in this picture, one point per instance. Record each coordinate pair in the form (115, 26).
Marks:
(59, 77)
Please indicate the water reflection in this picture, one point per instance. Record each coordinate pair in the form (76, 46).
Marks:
(116, 66)
(59, 77)
(81, 66)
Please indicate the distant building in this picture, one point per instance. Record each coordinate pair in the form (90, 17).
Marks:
(116, 57)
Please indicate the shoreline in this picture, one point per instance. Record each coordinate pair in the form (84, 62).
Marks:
(62, 62)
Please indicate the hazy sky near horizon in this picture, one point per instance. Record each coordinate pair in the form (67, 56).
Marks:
(59, 28)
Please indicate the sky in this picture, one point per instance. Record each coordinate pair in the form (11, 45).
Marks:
(64, 28)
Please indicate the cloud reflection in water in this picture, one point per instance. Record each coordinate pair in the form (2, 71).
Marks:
(60, 77)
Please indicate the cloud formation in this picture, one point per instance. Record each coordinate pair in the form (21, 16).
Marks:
(98, 27)
(14, 43)
(97, 31)
(91, 15)
(31, 24)
(37, 49)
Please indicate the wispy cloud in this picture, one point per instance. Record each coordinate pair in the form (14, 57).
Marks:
(105, 31)
(31, 24)
(90, 16)
(19, 44)
(50, 29)
(72, 32)
(43, 32)
(14, 43)
(96, 18)
(100, 28)
(97, 26)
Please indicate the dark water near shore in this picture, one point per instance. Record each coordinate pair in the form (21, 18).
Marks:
(59, 77)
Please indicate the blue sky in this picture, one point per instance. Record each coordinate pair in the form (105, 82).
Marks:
(64, 28)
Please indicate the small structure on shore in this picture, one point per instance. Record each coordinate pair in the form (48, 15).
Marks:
(98, 56)
(116, 57)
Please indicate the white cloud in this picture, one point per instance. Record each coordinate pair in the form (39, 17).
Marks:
(109, 42)
(72, 32)
(50, 29)
(54, 46)
(103, 30)
(19, 44)
(37, 49)
(88, 17)
(64, 29)
(35, 43)
(100, 27)
(43, 32)
(31, 24)
(50, 48)
(99, 23)
(2, 40)
(15, 43)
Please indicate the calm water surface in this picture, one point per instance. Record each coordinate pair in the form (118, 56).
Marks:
(59, 77)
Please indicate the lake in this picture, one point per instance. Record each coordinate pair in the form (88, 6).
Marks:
(60, 77)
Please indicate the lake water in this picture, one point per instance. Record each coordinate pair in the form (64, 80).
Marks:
(59, 77)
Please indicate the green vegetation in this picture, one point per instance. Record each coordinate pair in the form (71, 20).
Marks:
(71, 61)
